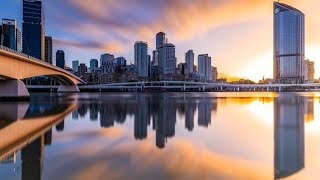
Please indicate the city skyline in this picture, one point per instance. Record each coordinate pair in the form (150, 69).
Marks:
(213, 35)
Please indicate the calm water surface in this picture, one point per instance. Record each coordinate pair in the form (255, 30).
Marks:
(161, 136)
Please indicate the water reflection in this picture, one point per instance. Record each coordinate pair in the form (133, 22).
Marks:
(289, 114)
(156, 111)
(156, 117)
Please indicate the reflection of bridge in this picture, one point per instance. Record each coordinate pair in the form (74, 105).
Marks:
(25, 130)
(190, 86)
(15, 66)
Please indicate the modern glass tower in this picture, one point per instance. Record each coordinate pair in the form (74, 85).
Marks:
(160, 39)
(10, 35)
(33, 29)
(141, 58)
(289, 44)
(60, 59)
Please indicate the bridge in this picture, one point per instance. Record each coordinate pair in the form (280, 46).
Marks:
(191, 86)
(15, 66)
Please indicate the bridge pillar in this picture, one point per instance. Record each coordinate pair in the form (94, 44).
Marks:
(13, 90)
(68, 89)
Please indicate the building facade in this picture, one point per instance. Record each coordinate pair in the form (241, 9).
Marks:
(75, 66)
(33, 29)
(289, 44)
(10, 35)
(308, 70)
(48, 49)
(189, 59)
(60, 59)
(214, 73)
(141, 58)
(167, 59)
(108, 63)
(160, 39)
(94, 63)
(204, 65)
(82, 70)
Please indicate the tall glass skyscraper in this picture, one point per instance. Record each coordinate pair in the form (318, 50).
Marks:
(48, 49)
(10, 35)
(141, 58)
(160, 39)
(33, 29)
(60, 59)
(289, 44)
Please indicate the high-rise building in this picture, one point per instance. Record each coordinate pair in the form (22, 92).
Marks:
(190, 60)
(108, 63)
(204, 65)
(121, 61)
(214, 73)
(93, 64)
(308, 70)
(289, 44)
(141, 58)
(33, 29)
(82, 69)
(10, 35)
(160, 39)
(75, 66)
(155, 61)
(60, 59)
(167, 59)
(48, 49)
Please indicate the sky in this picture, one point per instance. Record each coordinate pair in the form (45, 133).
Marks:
(237, 34)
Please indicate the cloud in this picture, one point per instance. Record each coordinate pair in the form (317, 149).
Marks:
(109, 46)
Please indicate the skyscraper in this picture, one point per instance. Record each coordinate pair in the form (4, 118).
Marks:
(141, 58)
(33, 28)
(308, 70)
(108, 63)
(75, 66)
(11, 36)
(204, 65)
(289, 44)
(167, 59)
(60, 59)
(48, 49)
(190, 60)
(160, 39)
(93, 64)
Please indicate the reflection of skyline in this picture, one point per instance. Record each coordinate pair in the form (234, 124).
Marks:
(289, 114)
(161, 110)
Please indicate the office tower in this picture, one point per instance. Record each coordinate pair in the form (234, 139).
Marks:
(289, 44)
(308, 70)
(141, 58)
(160, 39)
(48, 49)
(289, 156)
(75, 66)
(10, 35)
(155, 58)
(82, 69)
(107, 63)
(60, 59)
(33, 29)
(204, 65)
(121, 61)
(190, 60)
(214, 73)
(93, 64)
(167, 59)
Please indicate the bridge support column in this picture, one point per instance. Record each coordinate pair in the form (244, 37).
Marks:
(68, 89)
(13, 90)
